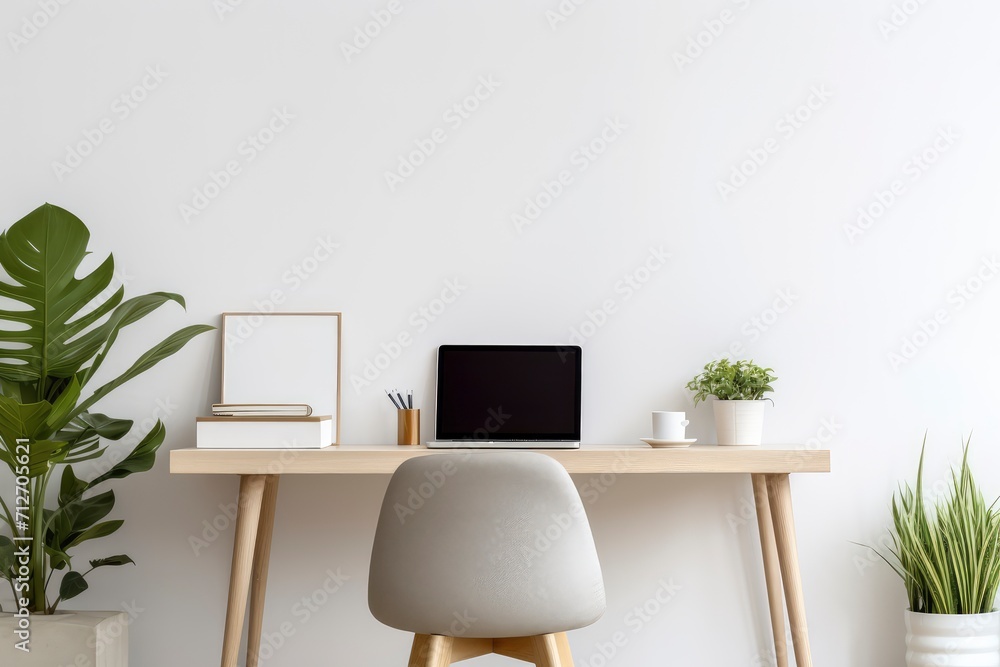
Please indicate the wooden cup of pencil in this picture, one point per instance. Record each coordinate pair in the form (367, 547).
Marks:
(407, 418)
(408, 427)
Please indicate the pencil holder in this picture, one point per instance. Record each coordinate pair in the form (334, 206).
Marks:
(408, 427)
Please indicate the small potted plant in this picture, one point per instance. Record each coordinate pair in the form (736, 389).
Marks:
(739, 389)
(949, 561)
(60, 326)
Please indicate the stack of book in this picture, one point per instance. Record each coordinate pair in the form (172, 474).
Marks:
(264, 426)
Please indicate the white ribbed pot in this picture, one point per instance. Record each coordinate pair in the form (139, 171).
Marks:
(952, 640)
(739, 422)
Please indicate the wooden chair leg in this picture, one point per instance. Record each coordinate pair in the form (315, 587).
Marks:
(542, 650)
(418, 654)
(463, 648)
(546, 651)
(519, 648)
(438, 651)
(565, 655)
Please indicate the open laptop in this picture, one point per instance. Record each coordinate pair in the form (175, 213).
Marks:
(508, 397)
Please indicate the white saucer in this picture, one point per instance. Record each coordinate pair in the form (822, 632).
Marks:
(653, 442)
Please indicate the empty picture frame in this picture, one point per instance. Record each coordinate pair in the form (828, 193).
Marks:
(283, 358)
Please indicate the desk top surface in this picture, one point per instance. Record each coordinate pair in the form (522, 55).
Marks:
(384, 459)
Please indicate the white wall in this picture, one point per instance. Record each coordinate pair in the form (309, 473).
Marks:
(886, 98)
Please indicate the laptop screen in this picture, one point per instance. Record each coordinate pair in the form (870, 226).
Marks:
(508, 392)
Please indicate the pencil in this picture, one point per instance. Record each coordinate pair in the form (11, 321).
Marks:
(392, 399)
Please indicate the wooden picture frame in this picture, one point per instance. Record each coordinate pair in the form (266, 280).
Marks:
(283, 358)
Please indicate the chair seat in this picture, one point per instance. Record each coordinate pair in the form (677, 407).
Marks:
(485, 544)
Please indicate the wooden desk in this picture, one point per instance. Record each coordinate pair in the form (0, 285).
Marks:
(260, 470)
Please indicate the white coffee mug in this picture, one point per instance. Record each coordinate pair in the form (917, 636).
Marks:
(669, 425)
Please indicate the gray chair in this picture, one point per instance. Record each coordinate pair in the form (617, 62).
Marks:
(485, 552)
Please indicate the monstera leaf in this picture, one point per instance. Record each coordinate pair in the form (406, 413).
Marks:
(42, 253)
(58, 323)
(52, 343)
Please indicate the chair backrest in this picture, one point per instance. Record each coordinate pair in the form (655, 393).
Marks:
(484, 544)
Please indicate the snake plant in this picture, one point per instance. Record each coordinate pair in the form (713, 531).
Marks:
(948, 558)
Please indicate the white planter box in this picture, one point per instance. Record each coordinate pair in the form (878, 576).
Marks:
(68, 639)
(952, 640)
(739, 422)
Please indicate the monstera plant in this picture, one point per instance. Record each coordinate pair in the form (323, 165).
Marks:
(58, 324)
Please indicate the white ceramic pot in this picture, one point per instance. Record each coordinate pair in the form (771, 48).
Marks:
(739, 422)
(92, 638)
(952, 640)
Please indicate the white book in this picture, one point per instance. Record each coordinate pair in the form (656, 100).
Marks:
(261, 410)
(264, 432)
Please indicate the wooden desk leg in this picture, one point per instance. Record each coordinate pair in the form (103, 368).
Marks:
(261, 558)
(247, 519)
(772, 569)
(780, 498)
